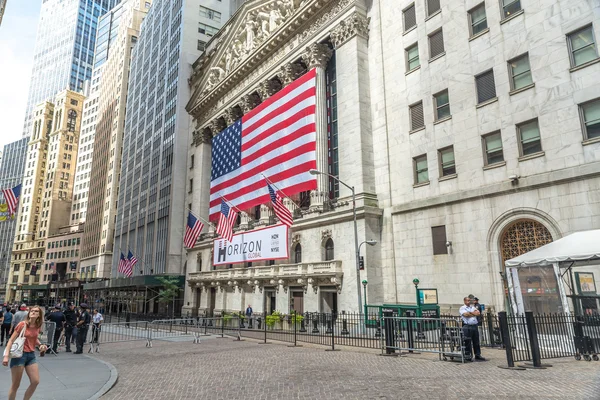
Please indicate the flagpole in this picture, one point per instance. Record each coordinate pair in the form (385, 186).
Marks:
(199, 217)
(282, 192)
(230, 204)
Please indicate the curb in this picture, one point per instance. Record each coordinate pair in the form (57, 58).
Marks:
(114, 375)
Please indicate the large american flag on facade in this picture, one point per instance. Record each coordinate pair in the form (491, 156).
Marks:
(281, 211)
(192, 230)
(12, 198)
(122, 264)
(227, 218)
(131, 261)
(277, 139)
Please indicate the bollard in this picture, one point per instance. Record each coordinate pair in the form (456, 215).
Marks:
(345, 327)
(503, 321)
(378, 331)
(258, 323)
(315, 328)
(490, 324)
(328, 330)
(409, 332)
(303, 325)
(331, 328)
(533, 343)
(250, 322)
(390, 339)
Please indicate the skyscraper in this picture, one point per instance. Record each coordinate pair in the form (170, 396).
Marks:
(11, 174)
(2, 8)
(151, 203)
(64, 49)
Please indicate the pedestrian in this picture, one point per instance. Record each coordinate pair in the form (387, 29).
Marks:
(31, 326)
(97, 320)
(74, 337)
(83, 323)
(479, 308)
(19, 316)
(70, 322)
(59, 320)
(469, 314)
(6, 326)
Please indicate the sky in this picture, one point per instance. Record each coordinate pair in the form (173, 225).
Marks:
(17, 41)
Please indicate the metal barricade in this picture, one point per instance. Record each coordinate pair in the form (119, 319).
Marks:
(47, 334)
(118, 332)
(441, 336)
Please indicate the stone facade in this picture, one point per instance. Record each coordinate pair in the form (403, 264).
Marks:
(473, 197)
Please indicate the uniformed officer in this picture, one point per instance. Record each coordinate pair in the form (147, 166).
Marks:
(71, 317)
(83, 323)
(59, 320)
(469, 315)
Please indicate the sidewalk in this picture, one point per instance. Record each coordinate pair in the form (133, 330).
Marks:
(66, 376)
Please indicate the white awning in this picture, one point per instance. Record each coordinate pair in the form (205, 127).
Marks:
(578, 246)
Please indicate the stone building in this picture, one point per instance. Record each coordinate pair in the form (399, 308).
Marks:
(47, 192)
(470, 131)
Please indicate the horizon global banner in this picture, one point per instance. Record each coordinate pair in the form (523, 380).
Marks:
(262, 244)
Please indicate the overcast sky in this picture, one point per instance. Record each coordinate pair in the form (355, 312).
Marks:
(17, 40)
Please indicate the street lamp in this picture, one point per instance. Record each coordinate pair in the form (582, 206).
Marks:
(364, 283)
(356, 247)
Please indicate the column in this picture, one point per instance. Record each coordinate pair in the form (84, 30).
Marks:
(265, 214)
(316, 56)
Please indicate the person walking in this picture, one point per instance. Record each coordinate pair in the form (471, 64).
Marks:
(19, 316)
(70, 322)
(97, 320)
(30, 327)
(249, 312)
(83, 323)
(469, 315)
(7, 319)
(59, 320)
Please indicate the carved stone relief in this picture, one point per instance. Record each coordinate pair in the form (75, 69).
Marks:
(354, 25)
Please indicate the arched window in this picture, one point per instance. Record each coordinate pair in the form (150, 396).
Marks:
(523, 236)
(329, 250)
(298, 253)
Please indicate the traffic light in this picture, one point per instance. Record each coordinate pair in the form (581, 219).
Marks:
(361, 263)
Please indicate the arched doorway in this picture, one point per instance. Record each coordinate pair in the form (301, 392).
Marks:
(538, 284)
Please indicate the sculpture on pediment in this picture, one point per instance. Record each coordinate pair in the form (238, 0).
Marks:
(275, 18)
(287, 7)
(251, 26)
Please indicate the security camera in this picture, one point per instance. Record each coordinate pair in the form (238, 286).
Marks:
(514, 178)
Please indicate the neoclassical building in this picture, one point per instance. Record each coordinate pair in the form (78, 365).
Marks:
(469, 131)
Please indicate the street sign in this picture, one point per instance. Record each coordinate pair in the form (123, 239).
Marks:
(428, 296)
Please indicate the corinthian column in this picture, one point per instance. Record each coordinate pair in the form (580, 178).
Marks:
(316, 56)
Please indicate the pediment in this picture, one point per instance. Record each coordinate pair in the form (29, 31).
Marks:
(258, 28)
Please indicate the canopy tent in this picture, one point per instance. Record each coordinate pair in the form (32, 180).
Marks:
(575, 250)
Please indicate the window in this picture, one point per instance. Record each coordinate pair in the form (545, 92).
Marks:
(486, 87)
(210, 14)
(590, 115)
(410, 18)
(191, 161)
(201, 45)
(298, 253)
(416, 116)
(492, 148)
(478, 19)
(329, 250)
(442, 105)
(71, 120)
(446, 160)
(509, 7)
(520, 72)
(191, 185)
(420, 167)
(438, 236)
(436, 44)
(207, 29)
(433, 6)
(412, 57)
(530, 141)
(582, 46)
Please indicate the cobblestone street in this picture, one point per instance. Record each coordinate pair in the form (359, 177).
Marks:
(226, 369)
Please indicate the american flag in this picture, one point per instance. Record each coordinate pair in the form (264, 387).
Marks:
(122, 264)
(131, 261)
(277, 139)
(192, 230)
(281, 211)
(53, 268)
(12, 198)
(226, 220)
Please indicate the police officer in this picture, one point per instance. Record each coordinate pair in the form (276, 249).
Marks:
(469, 315)
(59, 319)
(71, 321)
(83, 323)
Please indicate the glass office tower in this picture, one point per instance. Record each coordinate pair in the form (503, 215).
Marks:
(64, 49)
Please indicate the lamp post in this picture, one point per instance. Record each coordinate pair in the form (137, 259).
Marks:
(416, 283)
(364, 283)
(356, 246)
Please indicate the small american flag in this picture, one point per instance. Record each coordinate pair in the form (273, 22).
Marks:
(12, 198)
(281, 211)
(131, 261)
(277, 139)
(226, 220)
(192, 230)
(122, 264)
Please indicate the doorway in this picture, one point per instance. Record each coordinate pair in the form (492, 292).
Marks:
(297, 300)
(213, 300)
(328, 300)
(270, 301)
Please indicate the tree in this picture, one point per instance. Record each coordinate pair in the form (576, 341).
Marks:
(169, 293)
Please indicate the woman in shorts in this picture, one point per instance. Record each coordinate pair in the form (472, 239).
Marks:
(32, 325)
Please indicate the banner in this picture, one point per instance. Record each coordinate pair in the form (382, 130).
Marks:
(262, 244)
(4, 214)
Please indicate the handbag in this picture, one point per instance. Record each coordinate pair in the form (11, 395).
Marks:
(16, 350)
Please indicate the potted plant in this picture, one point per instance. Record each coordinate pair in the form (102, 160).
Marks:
(272, 319)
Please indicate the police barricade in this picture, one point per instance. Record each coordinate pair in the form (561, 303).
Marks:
(117, 333)
(47, 334)
(441, 336)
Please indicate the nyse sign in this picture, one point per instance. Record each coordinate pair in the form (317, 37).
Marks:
(262, 244)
